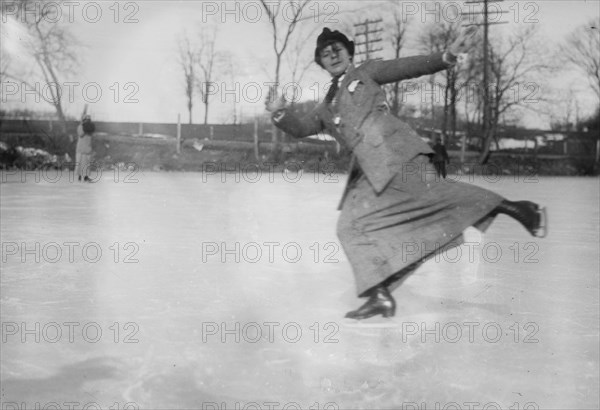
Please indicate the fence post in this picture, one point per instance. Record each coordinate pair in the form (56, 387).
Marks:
(178, 147)
(565, 146)
(597, 150)
(141, 129)
(256, 139)
(463, 148)
(212, 133)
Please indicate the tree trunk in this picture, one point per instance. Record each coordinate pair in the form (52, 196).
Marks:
(432, 82)
(491, 135)
(395, 101)
(50, 77)
(274, 129)
(205, 101)
(485, 152)
(453, 93)
(446, 106)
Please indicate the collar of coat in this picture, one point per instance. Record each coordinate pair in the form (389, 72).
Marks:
(351, 73)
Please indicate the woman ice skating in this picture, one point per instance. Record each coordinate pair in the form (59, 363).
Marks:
(83, 152)
(393, 199)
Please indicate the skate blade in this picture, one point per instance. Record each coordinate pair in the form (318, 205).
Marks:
(542, 231)
(379, 323)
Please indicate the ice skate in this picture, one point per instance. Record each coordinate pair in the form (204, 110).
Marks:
(380, 303)
(533, 217)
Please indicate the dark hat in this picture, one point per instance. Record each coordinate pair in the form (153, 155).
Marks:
(328, 37)
(88, 127)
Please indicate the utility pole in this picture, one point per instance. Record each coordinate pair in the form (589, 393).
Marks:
(367, 37)
(486, 88)
(487, 106)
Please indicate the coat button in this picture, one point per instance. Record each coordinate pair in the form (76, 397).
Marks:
(378, 261)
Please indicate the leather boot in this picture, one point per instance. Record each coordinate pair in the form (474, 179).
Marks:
(380, 302)
(529, 214)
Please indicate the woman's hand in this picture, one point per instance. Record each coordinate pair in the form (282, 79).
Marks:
(273, 104)
(464, 40)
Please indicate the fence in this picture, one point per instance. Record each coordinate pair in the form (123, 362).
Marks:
(571, 144)
(239, 132)
(548, 144)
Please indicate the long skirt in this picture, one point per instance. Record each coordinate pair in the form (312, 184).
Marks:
(82, 164)
(417, 215)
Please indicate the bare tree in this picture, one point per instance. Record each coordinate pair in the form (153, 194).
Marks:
(282, 27)
(397, 29)
(582, 49)
(197, 58)
(207, 57)
(297, 61)
(434, 39)
(53, 50)
(562, 108)
(187, 61)
(230, 71)
(513, 69)
(469, 89)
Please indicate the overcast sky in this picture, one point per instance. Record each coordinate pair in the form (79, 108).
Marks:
(131, 47)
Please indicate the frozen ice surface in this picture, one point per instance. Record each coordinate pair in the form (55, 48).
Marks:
(511, 321)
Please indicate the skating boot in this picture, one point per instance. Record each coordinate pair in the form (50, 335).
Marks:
(380, 302)
(529, 214)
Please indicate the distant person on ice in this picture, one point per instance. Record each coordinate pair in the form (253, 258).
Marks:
(440, 157)
(83, 152)
(393, 196)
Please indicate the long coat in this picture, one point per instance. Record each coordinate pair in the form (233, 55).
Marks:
(382, 144)
(397, 203)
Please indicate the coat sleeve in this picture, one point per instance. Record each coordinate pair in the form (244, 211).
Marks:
(390, 71)
(305, 126)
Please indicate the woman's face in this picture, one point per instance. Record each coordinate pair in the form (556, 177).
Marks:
(335, 58)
